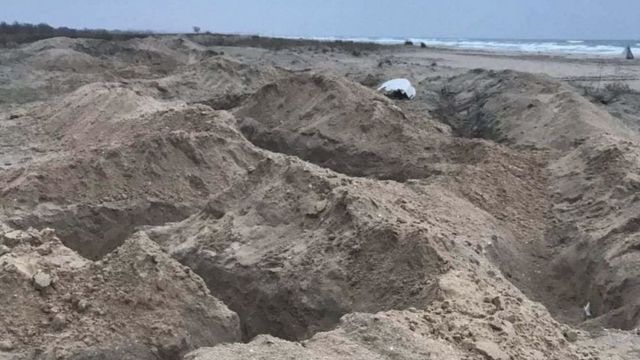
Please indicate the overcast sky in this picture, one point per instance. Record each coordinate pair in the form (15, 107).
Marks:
(557, 19)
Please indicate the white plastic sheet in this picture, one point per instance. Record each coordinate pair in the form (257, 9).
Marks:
(398, 85)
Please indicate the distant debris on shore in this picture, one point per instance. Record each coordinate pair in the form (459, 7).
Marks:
(628, 54)
(411, 43)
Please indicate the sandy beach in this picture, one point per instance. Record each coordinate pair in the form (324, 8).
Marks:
(230, 197)
(583, 69)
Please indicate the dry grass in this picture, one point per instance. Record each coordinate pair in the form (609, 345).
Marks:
(608, 93)
(280, 44)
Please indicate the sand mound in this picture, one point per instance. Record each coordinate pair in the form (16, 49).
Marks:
(340, 125)
(343, 126)
(57, 59)
(138, 300)
(122, 169)
(97, 110)
(218, 81)
(194, 144)
(136, 58)
(523, 109)
(461, 325)
(620, 101)
(47, 69)
(293, 249)
(361, 245)
(51, 43)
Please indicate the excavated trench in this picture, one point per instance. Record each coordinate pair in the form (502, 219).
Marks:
(536, 265)
(529, 260)
(577, 266)
(534, 262)
(335, 273)
(572, 274)
(94, 231)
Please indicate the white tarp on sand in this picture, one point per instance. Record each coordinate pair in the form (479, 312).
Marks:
(398, 85)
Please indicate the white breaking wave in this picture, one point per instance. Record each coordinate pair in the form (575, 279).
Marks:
(586, 47)
(568, 47)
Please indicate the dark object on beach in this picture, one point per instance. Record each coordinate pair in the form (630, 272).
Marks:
(384, 62)
(371, 80)
(408, 43)
(397, 95)
(423, 45)
(628, 54)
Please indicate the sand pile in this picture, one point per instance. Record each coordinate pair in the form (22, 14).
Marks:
(137, 58)
(51, 43)
(341, 125)
(619, 100)
(296, 247)
(35, 73)
(217, 81)
(512, 188)
(462, 324)
(138, 140)
(346, 127)
(95, 111)
(69, 60)
(522, 109)
(126, 160)
(55, 66)
(136, 302)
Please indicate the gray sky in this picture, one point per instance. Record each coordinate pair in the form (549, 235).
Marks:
(570, 19)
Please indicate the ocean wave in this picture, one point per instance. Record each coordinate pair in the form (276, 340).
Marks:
(529, 47)
(584, 47)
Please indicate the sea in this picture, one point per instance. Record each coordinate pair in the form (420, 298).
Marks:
(540, 46)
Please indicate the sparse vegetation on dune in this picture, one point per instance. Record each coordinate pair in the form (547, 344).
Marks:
(274, 43)
(608, 93)
(20, 33)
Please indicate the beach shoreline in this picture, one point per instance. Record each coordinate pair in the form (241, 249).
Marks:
(582, 69)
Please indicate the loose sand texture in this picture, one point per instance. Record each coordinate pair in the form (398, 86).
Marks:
(206, 197)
